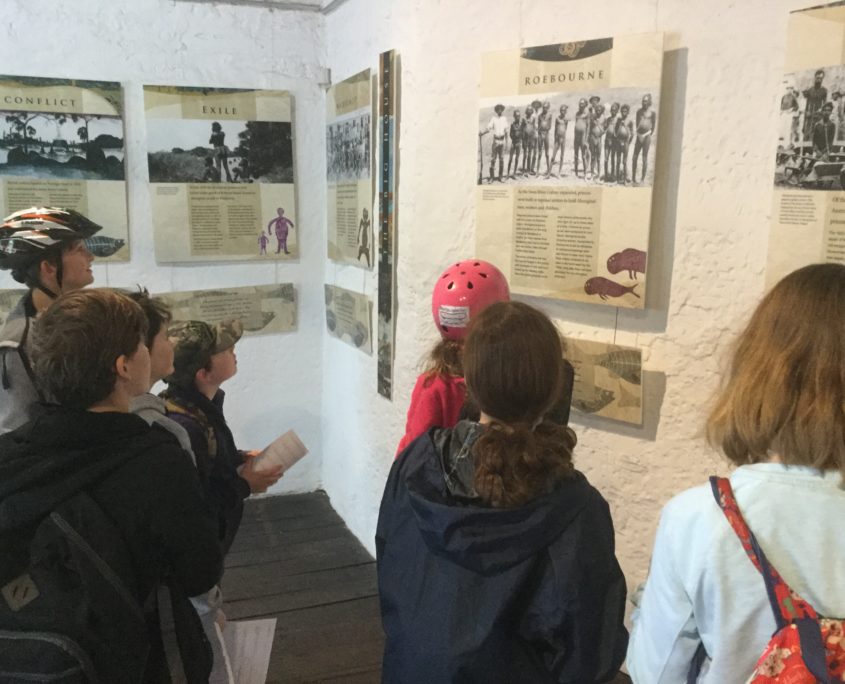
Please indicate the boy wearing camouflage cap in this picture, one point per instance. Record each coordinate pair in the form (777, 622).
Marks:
(204, 358)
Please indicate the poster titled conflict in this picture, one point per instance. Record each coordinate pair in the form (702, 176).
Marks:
(61, 144)
(566, 149)
(221, 173)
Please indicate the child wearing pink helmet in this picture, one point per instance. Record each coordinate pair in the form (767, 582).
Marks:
(461, 292)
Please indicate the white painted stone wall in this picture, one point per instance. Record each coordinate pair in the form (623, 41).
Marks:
(162, 42)
(717, 125)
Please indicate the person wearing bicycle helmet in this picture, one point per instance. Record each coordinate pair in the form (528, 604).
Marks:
(44, 248)
(461, 292)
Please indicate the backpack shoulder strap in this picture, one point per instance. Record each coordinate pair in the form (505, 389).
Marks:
(786, 604)
(188, 409)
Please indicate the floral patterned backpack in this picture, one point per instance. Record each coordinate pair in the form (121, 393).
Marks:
(805, 648)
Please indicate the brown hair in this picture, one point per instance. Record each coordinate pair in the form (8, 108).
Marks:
(445, 359)
(513, 361)
(157, 312)
(785, 390)
(76, 342)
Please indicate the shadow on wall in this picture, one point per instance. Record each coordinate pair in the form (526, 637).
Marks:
(654, 389)
(664, 210)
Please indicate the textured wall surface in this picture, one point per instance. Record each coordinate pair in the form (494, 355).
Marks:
(717, 124)
(717, 127)
(162, 42)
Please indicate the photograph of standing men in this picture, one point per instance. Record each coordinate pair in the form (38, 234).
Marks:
(811, 133)
(535, 144)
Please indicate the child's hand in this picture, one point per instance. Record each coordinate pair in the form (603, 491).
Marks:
(259, 481)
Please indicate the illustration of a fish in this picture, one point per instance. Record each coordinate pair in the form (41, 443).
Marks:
(101, 246)
(595, 401)
(630, 259)
(628, 399)
(623, 363)
(605, 288)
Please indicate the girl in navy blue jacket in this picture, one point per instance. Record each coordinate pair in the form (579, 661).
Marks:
(495, 556)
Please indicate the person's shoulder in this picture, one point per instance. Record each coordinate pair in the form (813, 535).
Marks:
(690, 506)
(157, 452)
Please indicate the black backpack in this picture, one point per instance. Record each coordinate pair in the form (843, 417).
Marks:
(68, 606)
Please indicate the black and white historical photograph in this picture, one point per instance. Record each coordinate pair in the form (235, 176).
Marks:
(226, 151)
(604, 137)
(811, 130)
(58, 145)
(348, 149)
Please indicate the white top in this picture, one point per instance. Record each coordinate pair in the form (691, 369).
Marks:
(703, 588)
(499, 125)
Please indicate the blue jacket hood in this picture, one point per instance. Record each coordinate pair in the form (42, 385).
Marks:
(474, 535)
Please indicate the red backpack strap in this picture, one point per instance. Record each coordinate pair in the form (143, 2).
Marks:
(786, 604)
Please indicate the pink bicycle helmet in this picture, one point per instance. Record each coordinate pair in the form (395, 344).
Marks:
(462, 292)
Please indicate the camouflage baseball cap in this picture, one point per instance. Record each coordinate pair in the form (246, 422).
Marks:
(195, 342)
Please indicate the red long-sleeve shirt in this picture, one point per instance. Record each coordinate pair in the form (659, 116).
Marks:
(435, 402)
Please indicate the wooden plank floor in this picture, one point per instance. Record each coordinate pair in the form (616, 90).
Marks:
(295, 560)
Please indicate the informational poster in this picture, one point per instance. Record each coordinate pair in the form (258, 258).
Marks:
(567, 139)
(221, 174)
(388, 108)
(808, 212)
(260, 308)
(608, 380)
(349, 317)
(348, 163)
(62, 145)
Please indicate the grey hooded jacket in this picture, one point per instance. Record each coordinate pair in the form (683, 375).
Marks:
(19, 400)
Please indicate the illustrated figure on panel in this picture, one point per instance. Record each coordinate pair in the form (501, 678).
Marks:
(364, 236)
(281, 224)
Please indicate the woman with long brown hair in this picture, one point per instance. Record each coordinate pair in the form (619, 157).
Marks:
(495, 556)
(779, 417)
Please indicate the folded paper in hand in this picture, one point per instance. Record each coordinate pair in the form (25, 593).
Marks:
(285, 451)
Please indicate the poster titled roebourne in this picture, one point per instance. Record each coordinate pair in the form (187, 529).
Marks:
(221, 173)
(61, 144)
(348, 163)
(808, 212)
(566, 147)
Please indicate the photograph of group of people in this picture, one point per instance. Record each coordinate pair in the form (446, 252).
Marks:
(348, 149)
(811, 130)
(600, 138)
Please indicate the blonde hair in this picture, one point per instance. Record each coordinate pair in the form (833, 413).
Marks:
(785, 390)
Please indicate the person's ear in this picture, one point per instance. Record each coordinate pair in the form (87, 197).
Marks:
(121, 367)
(47, 270)
(201, 375)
